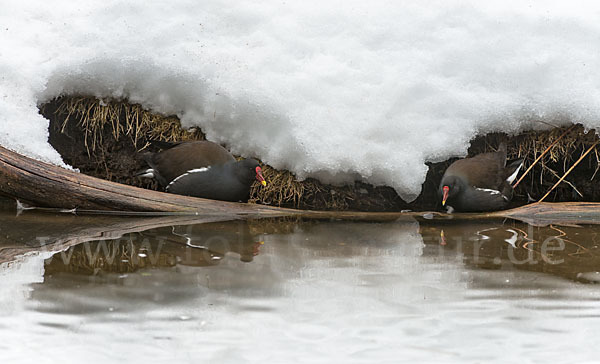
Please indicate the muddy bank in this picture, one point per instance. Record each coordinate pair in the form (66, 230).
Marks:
(105, 140)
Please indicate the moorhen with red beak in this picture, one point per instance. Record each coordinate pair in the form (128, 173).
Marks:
(202, 169)
(480, 183)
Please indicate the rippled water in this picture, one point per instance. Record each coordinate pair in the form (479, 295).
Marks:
(295, 291)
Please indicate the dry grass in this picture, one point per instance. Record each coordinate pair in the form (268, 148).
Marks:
(284, 189)
(531, 144)
(124, 120)
(560, 157)
(567, 150)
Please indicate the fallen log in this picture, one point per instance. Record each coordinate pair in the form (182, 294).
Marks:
(45, 185)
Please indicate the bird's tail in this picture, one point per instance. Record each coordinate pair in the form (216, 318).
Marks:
(145, 173)
(512, 170)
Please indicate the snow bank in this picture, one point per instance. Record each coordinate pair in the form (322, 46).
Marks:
(339, 90)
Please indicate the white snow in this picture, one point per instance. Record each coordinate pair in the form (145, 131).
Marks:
(339, 90)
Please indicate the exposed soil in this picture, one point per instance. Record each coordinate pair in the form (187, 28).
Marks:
(114, 159)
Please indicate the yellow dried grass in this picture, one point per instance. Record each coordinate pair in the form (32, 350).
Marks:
(123, 119)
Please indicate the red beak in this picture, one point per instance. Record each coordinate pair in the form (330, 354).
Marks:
(445, 197)
(260, 177)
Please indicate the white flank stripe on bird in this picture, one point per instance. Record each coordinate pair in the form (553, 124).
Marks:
(493, 192)
(191, 171)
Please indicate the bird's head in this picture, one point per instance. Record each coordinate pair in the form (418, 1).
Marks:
(449, 187)
(259, 176)
(249, 170)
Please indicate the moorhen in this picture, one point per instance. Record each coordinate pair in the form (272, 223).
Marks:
(202, 169)
(480, 183)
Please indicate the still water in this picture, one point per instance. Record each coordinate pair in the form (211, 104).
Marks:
(153, 290)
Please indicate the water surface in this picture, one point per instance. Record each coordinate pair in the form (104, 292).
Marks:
(72, 289)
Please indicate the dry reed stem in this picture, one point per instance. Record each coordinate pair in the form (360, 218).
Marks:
(542, 155)
(570, 169)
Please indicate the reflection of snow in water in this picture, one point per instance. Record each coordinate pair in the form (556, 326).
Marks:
(15, 278)
(589, 276)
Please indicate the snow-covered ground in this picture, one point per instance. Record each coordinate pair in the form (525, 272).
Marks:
(335, 89)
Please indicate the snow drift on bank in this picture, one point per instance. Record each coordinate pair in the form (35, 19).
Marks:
(339, 90)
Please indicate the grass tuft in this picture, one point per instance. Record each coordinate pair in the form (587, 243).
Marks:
(122, 119)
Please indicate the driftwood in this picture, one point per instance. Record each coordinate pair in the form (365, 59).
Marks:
(45, 185)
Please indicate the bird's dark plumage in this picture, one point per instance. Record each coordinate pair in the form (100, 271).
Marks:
(480, 183)
(177, 158)
(227, 182)
(202, 169)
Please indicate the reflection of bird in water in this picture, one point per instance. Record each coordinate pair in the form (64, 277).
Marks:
(513, 239)
(212, 241)
(200, 245)
(483, 245)
(514, 245)
(256, 249)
